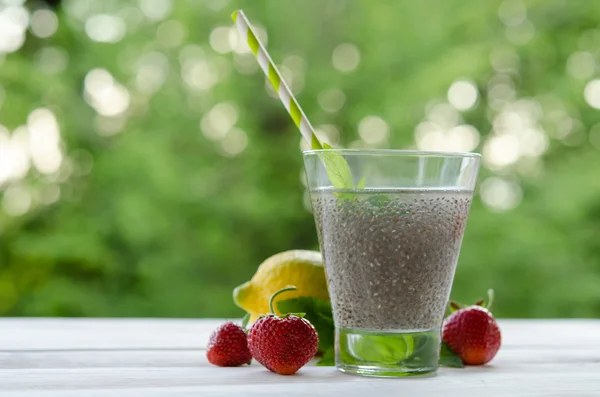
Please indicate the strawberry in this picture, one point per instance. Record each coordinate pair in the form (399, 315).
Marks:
(472, 332)
(282, 344)
(228, 346)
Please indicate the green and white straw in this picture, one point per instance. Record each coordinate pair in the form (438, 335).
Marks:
(276, 80)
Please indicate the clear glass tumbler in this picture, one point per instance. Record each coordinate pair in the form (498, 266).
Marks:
(390, 225)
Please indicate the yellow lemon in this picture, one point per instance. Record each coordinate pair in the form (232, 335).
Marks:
(303, 269)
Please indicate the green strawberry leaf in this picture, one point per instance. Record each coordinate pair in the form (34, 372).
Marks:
(448, 358)
(318, 312)
(328, 359)
(455, 306)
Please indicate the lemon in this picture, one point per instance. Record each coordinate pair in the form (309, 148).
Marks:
(300, 268)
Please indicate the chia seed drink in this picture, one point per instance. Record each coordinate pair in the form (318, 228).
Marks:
(390, 257)
(390, 225)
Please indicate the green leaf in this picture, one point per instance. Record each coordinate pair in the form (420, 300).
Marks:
(455, 306)
(328, 359)
(318, 312)
(301, 315)
(380, 348)
(361, 184)
(337, 170)
(448, 358)
(245, 320)
(336, 166)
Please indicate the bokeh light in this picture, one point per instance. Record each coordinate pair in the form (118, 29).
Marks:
(462, 95)
(512, 12)
(216, 5)
(501, 151)
(504, 60)
(171, 33)
(108, 126)
(373, 130)
(346, 57)
(520, 34)
(14, 20)
(14, 155)
(581, 65)
(104, 94)
(328, 133)
(219, 120)
(591, 93)
(105, 28)
(132, 16)
(44, 141)
(443, 114)
(156, 10)
(49, 194)
(219, 39)
(234, 142)
(44, 23)
(499, 194)
(16, 200)
(51, 60)
(332, 100)
(461, 138)
(197, 72)
(152, 72)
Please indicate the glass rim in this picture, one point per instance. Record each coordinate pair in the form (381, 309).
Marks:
(395, 152)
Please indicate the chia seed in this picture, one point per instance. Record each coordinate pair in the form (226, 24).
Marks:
(390, 255)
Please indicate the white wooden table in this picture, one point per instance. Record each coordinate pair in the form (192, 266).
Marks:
(139, 357)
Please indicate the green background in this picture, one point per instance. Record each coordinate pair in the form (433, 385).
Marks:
(159, 215)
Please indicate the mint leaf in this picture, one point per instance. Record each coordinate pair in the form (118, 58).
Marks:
(328, 359)
(337, 169)
(448, 358)
(361, 184)
(318, 312)
(386, 349)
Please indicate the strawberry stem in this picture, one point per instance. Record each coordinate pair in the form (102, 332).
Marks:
(490, 294)
(285, 289)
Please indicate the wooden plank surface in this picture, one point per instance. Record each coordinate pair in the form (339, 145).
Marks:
(144, 357)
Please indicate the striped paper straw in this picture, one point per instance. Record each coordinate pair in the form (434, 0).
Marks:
(275, 78)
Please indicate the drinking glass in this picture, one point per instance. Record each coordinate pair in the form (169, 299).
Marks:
(390, 238)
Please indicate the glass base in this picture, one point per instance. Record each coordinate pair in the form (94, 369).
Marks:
(392, 353)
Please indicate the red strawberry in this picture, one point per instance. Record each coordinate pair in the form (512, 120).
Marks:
(472, 333)
(282, 344)
(228, 346)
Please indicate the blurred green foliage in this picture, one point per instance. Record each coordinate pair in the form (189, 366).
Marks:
(166, 206)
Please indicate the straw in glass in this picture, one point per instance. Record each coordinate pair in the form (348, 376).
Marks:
(276, 80)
